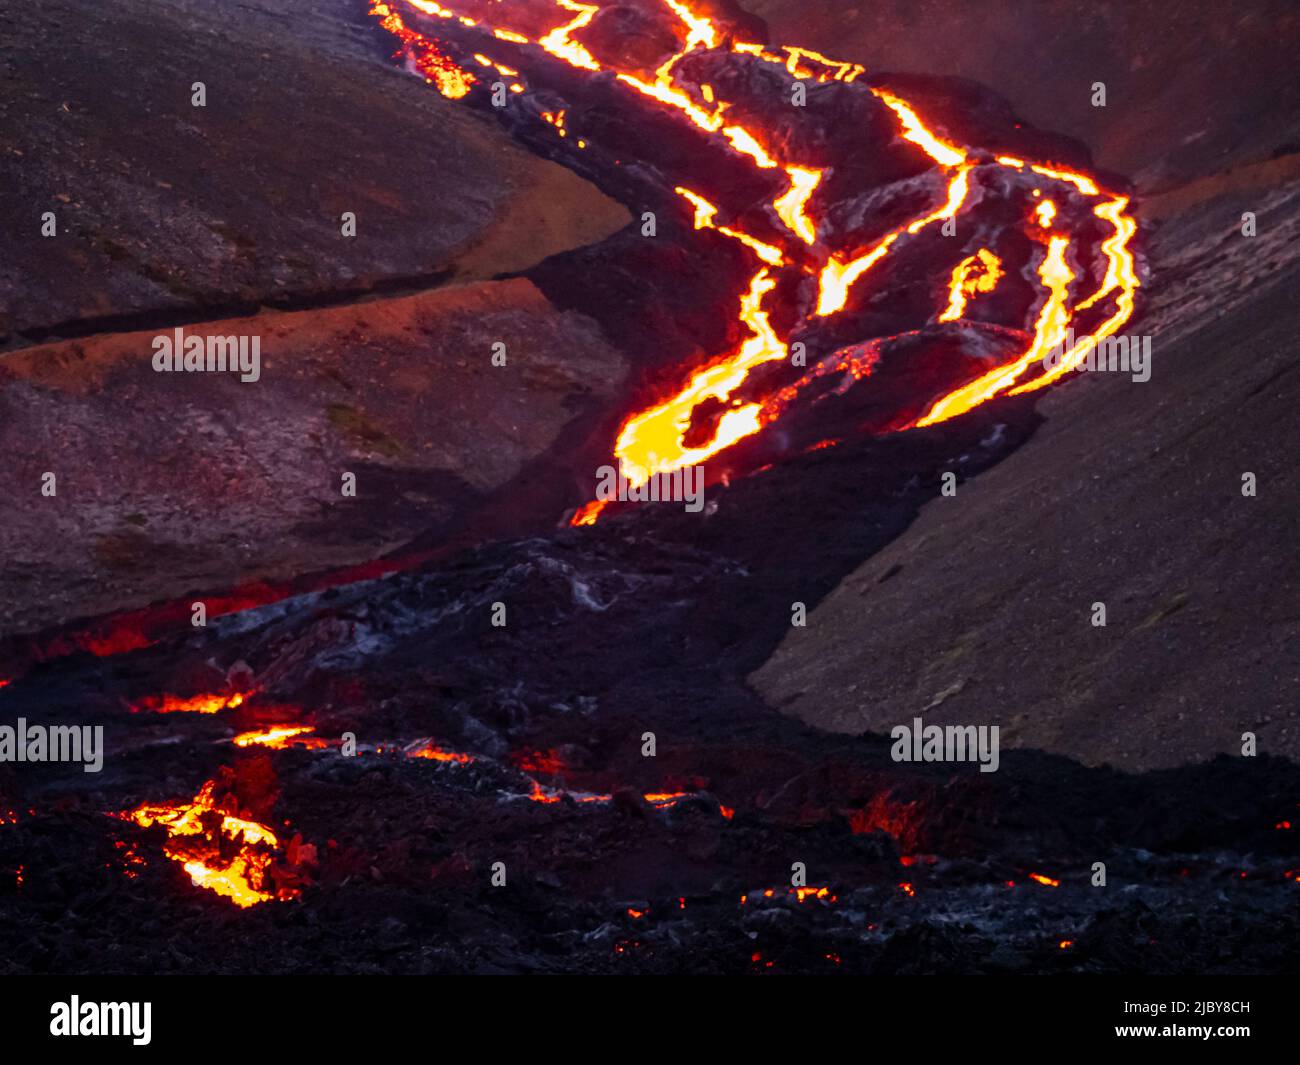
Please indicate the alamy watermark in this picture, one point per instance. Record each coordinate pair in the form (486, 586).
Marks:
(75, 1017)
(685, 485)
(946, 743)
(1116, 354)
(177, 353)
(22, 742)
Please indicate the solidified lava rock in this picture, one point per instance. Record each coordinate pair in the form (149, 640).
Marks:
(528, 749)
(614, 862)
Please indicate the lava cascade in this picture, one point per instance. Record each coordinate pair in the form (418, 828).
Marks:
(660, 438)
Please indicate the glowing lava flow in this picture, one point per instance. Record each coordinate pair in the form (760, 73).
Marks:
(437, 68)
(839, 276)
(558, 42)
(974, 274)
(194, 704)
(1119, 275)
(200, 831)
(652, 443)
(655, 440)
(792, 207)
(438, 754)
(1053, 319)
(279, 737)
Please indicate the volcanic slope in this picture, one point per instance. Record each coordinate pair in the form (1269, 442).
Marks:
(1130, 494)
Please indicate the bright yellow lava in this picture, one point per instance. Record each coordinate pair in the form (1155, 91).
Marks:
(653, 440)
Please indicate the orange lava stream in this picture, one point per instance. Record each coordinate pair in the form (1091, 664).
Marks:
(838, 276)
(559, 43)
(914, 130)
(975, 274)
(792, 207)
(195, 829)
(661, 800)
(705, 212)
(1119, 275)
(277, 737)
(1053, 320)
(589, 513)
(653, 440)
(438, 754)
(438, 69)
(194, 704)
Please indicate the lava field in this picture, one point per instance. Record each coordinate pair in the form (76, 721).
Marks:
(473, 718)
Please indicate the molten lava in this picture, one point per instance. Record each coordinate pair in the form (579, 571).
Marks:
(221, 851)
(279, 737)
(661, 438)
(193, 704)
(975, 274)
(428, 59)
(438, 754)
(1049, 331)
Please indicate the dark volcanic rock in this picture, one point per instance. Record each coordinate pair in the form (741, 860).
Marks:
(631, 864)
(1191, 87)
